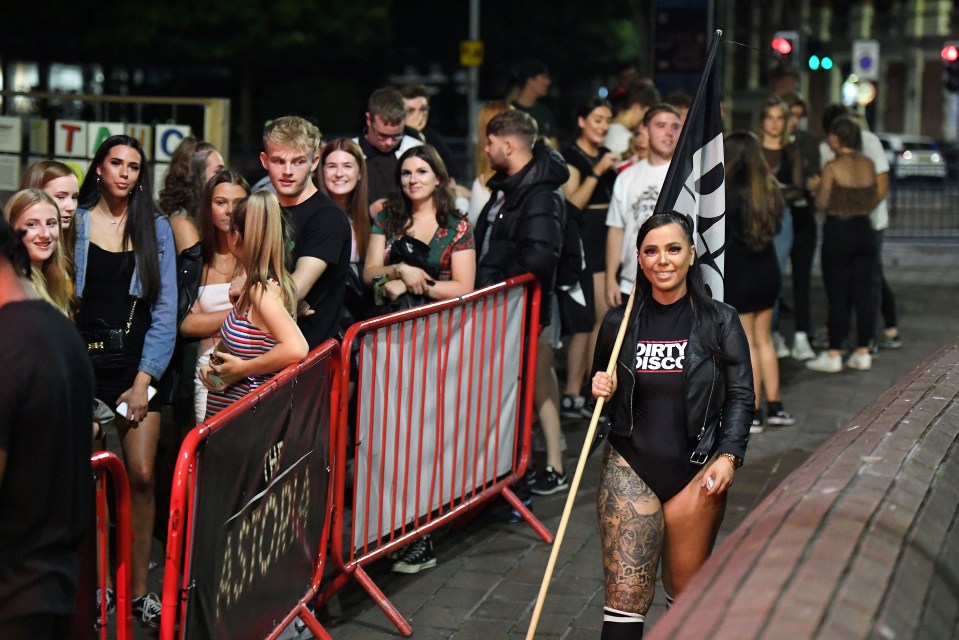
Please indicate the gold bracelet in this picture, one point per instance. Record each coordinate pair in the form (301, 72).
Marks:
(396, 272)
(734, 460)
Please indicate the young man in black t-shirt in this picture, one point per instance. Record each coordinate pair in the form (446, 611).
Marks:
(46, 490)
(320, 252)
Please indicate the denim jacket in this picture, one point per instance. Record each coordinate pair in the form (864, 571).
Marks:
(160, 337)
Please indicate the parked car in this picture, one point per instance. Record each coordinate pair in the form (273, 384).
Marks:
(912, 156)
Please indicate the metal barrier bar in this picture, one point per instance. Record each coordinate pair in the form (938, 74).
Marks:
(403, 379)
(177, 582)
(924, 208)
(106, 464)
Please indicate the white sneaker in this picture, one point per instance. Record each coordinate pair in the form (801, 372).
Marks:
(779, 343)
(863, 362)
(825, 364)
(801, 349)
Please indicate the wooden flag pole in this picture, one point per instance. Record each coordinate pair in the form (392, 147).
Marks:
(574, 487)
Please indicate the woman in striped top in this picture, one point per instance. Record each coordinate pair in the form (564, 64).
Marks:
(259, 337)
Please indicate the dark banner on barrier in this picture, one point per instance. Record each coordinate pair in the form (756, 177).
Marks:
(259, 511)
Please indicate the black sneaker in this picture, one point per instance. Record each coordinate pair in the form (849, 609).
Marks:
(757, 426)
(549, 483)
(417, 556)
(509, 515)
(147, 610)
(111, 602)
(780, 418)
(890, 342)
(572, 406)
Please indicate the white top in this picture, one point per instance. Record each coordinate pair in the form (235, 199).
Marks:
(872, 149)
(211, 298)
(618, 139)
(479, 196)
(635, 193)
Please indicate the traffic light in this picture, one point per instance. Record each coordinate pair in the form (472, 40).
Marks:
(818, 58)
(785, 45)
(950, 65)
(817, 62)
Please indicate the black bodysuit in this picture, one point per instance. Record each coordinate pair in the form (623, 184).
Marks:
(658, 449)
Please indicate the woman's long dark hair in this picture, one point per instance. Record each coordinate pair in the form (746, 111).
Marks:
(204, 219)
(399, 208)
(747, 173)
(703, 304)
(184, 179)
(140, 230)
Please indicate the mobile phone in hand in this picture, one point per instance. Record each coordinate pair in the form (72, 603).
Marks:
(122, 409)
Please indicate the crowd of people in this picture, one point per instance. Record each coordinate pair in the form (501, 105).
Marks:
(198, 297)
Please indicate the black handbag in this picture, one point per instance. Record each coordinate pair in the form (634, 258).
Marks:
(408, 250)
(107, 347)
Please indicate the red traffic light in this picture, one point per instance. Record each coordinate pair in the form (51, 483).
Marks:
(950, 53)
(785, 47)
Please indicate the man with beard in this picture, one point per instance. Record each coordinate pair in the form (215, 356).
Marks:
(521, 230)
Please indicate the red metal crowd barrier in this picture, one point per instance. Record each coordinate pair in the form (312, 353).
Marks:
(107, 465)
(444, 399)
(250, 510)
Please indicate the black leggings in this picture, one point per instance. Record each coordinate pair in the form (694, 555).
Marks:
(887, 300)
(848, 269)
(804, 246)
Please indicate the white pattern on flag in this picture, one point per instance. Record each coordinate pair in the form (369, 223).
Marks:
(695, 182)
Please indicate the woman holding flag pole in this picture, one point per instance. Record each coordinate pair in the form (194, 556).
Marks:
(681, 394)
(681, 403)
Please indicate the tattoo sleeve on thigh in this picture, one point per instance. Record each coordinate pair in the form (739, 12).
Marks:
(631, 527)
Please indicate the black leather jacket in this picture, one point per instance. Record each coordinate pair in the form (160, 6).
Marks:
(719, 395)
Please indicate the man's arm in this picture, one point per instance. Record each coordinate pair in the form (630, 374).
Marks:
(614, 247)
(305, 274)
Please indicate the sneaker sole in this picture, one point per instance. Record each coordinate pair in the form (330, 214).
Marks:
(402, 567)
(779, 422)
(551, 490)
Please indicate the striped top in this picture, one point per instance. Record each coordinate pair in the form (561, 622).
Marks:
(247, 341)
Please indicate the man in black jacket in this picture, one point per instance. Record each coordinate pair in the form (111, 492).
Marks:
(521, 230)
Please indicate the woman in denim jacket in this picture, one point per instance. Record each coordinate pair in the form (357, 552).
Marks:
(126, 278)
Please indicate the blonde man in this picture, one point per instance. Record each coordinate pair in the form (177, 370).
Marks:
(321, 230)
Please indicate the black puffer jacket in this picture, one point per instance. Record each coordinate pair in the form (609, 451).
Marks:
(719, 395)
(527, 234)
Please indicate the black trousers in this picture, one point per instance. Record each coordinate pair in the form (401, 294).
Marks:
(887, 302)
(848, 270)
(804, 247)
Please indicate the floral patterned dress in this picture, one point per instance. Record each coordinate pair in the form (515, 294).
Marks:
(457, 235)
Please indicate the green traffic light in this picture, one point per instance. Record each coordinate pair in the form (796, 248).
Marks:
(826, 63)
(814, 62)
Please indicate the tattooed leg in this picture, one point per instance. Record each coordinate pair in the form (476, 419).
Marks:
(631, 528)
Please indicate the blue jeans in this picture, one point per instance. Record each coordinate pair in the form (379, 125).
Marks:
(782, 244)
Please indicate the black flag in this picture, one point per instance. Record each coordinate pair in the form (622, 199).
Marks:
(694, 181)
